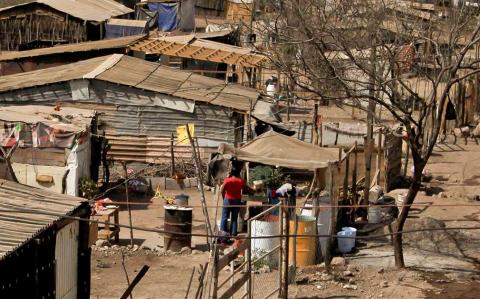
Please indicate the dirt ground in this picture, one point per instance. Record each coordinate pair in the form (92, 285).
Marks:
(443, 264)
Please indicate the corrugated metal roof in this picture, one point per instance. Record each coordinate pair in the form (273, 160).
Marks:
(87, 10)
(68, 119)
(134, 72)
(16, 228)
(190, 46)
(115, 43)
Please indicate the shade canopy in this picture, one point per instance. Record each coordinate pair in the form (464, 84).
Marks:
(275, 149)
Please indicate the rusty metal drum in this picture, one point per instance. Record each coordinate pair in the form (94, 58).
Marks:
(178, 228)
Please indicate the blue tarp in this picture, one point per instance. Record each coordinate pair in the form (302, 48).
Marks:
(167, 15)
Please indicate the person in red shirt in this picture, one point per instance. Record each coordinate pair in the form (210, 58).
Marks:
(231, 190)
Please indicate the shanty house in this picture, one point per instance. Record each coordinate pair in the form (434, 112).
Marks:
(27, 24)
(44, 250)
(54, 145)
(140, 104)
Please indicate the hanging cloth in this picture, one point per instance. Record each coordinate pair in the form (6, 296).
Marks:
(167, 15)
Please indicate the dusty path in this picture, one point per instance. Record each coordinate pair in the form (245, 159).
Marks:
(439, 267)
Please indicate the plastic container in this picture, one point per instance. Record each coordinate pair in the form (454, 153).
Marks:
(344, 244)
(306, 246)
(261, 228)
(350, 232)
(374, 214)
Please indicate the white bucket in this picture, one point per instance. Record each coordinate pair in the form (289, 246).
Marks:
(374, 214)
(344, 244)
(264, 245)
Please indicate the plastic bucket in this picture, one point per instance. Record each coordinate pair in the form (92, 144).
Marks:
(306, 246)
(344, 244)
(374, 214)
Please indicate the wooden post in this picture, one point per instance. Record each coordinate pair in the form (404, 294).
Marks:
(285, 245)
(354, 182)
(128, 203)
(200, 181)
(315, 137)
(336, 133)
(248, 252)
(328, 251)
(294, 243)
(321, 132)
(379, 156)
(172, 156)
(368, 160)
(281, 256)
(405, 166)
(215, 273)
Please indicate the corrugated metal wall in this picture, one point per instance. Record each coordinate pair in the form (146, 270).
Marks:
(66, 261)
(138, 131)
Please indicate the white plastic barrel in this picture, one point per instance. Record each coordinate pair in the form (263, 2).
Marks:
(261, 246)
(374, 214)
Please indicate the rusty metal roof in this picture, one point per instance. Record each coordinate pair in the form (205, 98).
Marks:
(87, 10)
(190, 46)
(115, 43)
(138, 73)
(17, 226)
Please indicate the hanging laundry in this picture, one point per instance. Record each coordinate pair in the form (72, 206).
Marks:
(167, 15)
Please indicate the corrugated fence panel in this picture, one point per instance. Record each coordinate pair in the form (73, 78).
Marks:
(66, 260)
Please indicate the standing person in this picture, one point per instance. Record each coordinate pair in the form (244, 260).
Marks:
(231, 190)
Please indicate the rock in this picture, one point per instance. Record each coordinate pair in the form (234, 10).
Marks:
(195, 252)
(135, 248)
(350, 287)
(186, 250)
(352, 268)
(102, 243)
(384, 284)
(351, 281)
(381, 270)
(442, 195)
(347, 273)
(264, 269)
(319, 287)
(473, 197)
(169, 252)
(338, 261)
(145, 247)
(326, 276)
(301, 280)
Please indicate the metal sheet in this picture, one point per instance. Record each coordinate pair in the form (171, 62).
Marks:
(66, 261)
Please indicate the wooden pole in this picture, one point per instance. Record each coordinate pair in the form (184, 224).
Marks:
(190, 283)
(405, 166)
(215, 273)
(368, 161)
(200, 182)
(135, 281)
(172, 156)
(328, 251)
(354, 181)
(315, 137)
(285, 245)
(129, 208)
(379, 156)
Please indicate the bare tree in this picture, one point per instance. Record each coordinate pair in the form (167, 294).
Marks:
(368, 53)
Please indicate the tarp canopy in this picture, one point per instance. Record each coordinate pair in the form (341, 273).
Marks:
(275, 149)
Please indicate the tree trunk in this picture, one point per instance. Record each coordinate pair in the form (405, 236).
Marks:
(398, 226)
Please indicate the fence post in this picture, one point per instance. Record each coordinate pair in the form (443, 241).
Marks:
(285, 233)
(249, 261)
(215, 273)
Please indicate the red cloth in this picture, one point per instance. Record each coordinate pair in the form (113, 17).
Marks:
(233, 187)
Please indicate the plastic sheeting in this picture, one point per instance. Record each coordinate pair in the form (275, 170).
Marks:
(167, 15)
